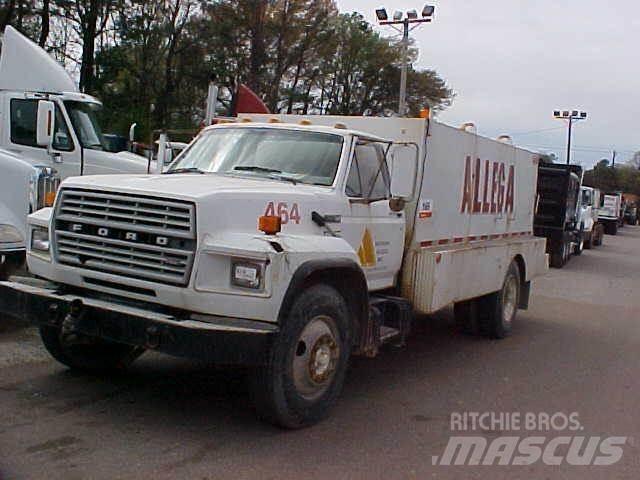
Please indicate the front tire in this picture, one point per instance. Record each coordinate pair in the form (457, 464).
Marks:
(498, 310)
(94, 355)
(307, 362)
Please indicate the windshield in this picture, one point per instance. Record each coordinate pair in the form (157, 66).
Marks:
(290, 155)
(85, 123)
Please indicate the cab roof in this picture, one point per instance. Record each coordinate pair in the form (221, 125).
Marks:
(300, 127)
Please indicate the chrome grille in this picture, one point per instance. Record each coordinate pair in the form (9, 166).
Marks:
(129, 235)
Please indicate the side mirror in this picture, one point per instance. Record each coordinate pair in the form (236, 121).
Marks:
(45, 123)
(404, 170)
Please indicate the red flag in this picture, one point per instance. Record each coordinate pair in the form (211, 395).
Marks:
(248, 102)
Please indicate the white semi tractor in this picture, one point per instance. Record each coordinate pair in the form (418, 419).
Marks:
(288, 244)
(36, 95)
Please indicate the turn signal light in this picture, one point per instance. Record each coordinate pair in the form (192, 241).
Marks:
(49, 199)
(269, 224)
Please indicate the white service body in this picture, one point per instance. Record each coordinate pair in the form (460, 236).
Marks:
(610, 209)
(467, 218)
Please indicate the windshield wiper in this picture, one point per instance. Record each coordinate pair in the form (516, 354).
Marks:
(256, 168)
(186, 170)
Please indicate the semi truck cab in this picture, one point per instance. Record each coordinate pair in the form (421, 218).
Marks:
(36, 94)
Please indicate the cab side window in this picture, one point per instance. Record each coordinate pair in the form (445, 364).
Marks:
(369, 174)
(24, 117)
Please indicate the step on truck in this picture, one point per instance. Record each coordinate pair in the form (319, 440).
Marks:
(286, 244)
(591, 227)
(557, 213)
(48, 131)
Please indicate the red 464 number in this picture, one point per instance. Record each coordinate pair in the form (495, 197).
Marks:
(282, 210)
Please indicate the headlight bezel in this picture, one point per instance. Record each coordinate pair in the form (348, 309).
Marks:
(40, 240)
(247, 273)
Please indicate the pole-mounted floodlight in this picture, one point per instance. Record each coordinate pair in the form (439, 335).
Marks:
(571, 116)
(410, 18)
(428, 11)
(381, 13)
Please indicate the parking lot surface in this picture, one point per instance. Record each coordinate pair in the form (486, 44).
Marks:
(577, 349)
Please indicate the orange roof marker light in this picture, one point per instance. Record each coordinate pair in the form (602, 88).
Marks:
(274, 120)
(425, 112)
(269, 224)
(305, 122)
(340, 126)
(246, 120)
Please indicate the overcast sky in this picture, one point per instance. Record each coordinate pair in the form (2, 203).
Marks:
(512, 62)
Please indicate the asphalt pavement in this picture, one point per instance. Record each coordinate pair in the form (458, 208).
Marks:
(576, 351)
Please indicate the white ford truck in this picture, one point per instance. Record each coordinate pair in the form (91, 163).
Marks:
(593, 229)
(286, 244)
(37, 94)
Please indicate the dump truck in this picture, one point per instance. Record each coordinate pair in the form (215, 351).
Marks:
(286, 244)
(556, 217)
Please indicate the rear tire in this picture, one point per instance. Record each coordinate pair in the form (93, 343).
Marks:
(597, 241)
(559, 256)
(96, 355)
(579, 246)
(497, 310)
(307, 362)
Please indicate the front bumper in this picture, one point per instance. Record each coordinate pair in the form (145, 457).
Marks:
(221, 340)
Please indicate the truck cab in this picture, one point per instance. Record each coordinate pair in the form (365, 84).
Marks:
(589, 207)
(35, 94)
(28, 76)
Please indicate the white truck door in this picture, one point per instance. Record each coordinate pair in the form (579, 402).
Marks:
(369, 225)
(64, 154)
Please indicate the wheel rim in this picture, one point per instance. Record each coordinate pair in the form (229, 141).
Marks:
(315, 357)
(509, 299)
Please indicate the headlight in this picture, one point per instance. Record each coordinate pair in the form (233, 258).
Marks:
(43, 187)
(246, 274)
(10, 234)
(40, 239)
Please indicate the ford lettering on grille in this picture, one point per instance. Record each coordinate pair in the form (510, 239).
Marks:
(133, 236)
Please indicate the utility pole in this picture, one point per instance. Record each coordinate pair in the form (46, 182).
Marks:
(613, 160)
(399, 18)
(571, 116)
(569, 141)
(402, 104)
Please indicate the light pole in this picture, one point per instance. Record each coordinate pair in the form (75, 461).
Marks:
(406, 20)
(571, 116)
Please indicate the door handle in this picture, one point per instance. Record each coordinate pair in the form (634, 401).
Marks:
(56, 157)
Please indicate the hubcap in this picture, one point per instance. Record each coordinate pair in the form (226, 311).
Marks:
(509, 299)
(315, 357)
